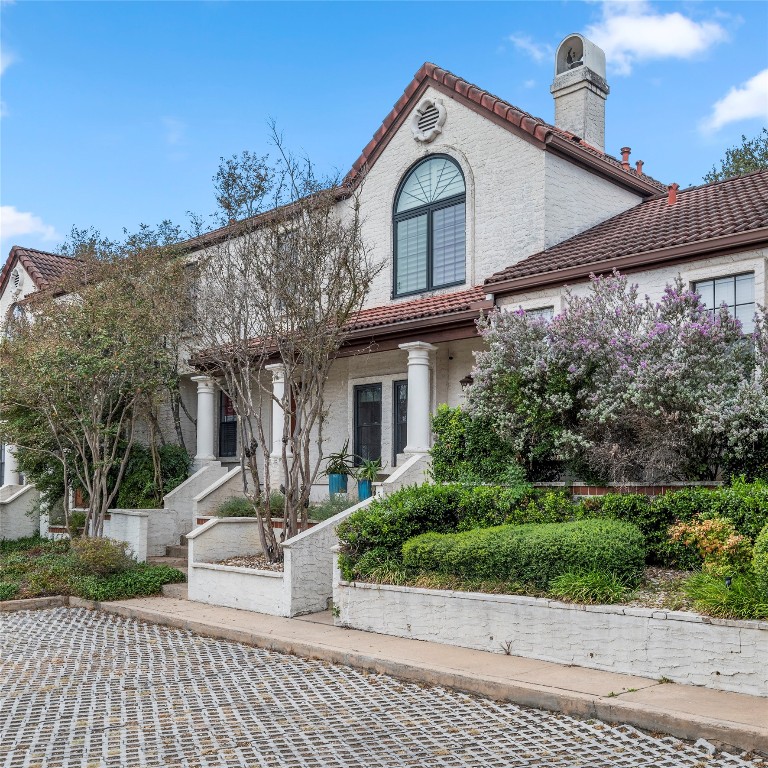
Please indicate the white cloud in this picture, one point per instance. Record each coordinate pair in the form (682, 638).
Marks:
(17, 224)
(740, 103)
(537, 51)
(632, 32)
(529, 84)
(175, 131)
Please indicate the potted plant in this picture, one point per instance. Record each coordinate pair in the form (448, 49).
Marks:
(366, 476)
(338, 467)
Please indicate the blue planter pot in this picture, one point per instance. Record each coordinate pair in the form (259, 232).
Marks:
(364, 489)
(337, 484)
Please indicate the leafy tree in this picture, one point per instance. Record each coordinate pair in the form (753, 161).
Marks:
(289, 270)
(751, 155)
(626, 389)
(87, 360)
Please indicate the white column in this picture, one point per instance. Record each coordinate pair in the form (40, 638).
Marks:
(11, 467)
(206, 388)
(419, 388)
(278, 393)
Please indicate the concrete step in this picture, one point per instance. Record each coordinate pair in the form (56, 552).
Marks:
(177, 550)
(178, 591)
(173, 562)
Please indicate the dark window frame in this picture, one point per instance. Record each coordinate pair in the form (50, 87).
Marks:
(396, 425)
(226, 420)
(355, 420)
(429, 209)
(731, 308)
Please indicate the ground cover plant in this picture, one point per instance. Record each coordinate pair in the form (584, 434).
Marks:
(93, 568)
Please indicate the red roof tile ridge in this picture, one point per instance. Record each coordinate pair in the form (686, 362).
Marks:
(535, 126)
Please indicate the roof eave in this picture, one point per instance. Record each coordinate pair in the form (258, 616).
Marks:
(635, 262)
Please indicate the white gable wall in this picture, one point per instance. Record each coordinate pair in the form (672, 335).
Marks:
(11, 295)
(577, 200)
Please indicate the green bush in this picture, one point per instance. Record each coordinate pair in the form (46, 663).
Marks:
(100, 557)
(8, 590)
(653, 517)
(760, 561)
(533, 553)
(330, 507)
(138, 490)
(594, 587)
(386, 524)
(138, 581)
(468, 450)
(742, 599)
(237, 506)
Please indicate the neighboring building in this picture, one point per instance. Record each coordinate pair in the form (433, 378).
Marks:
(472, 203)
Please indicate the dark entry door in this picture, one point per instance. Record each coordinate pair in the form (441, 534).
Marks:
(227, 428)
(400, 418)
(367, 422)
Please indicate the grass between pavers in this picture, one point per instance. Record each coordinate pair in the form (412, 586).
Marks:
(37, 567)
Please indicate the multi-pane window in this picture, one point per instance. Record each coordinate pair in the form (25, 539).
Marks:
(544, 313)
(430, 227)
(737, 292)
(227, 427)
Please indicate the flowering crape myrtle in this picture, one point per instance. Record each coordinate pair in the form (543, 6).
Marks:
(621, 388)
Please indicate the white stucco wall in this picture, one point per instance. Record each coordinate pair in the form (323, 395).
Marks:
(12, 295)
(130, 526)
(576, 200)
(684, 647)
(653, 281)
(18, 518)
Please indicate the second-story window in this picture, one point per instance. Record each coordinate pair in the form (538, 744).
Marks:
(737, 292)
(430, 229)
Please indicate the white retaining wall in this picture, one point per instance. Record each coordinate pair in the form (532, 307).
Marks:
(130, 526)
(17, 519)
(304, 586)
(684, 647)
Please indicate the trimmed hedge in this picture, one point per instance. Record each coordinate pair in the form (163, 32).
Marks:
(376, 534)
(760, 562)
(534, 553)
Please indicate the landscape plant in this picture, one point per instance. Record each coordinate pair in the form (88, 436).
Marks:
(621, 388)
(278, 285)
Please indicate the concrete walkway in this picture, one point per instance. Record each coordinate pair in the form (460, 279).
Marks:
(688, 712)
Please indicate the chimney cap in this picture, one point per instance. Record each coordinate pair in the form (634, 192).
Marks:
(577, 51)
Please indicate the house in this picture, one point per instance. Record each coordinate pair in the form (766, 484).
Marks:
(474, 204)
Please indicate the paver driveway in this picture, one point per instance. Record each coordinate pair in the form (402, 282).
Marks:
(82, 688)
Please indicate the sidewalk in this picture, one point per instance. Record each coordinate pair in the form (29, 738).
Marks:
(687, 712)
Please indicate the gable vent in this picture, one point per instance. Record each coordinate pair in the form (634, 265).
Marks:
(15, 278)
(428, 120)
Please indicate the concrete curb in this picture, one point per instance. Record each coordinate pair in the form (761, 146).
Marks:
(610, 709)
(34, 603)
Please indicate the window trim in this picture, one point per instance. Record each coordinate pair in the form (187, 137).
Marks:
(429, 209)
(734, 276)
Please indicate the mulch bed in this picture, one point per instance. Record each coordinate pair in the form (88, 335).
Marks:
(257, 562)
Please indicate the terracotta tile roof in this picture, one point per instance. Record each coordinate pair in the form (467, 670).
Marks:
(727, 208)
(418, 309)
(43, 267)
(483, 101)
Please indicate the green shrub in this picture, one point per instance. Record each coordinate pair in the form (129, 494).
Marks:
(532, 554)
(330, 507)
(237, 506)
(138, 581)
(594, 587)
(743, 599)
(8, 590)
(760, 561)
(653, 517)
(139, 489)
(744, 504)
(100, 557)
(468, 450)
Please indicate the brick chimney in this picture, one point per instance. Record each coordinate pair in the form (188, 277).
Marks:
(580, 90)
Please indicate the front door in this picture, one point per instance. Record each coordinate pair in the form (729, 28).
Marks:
(367, 422)
(227, 427)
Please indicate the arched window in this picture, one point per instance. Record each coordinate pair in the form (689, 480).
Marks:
(430, 238)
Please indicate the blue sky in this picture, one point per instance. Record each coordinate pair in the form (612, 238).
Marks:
(116, 113)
